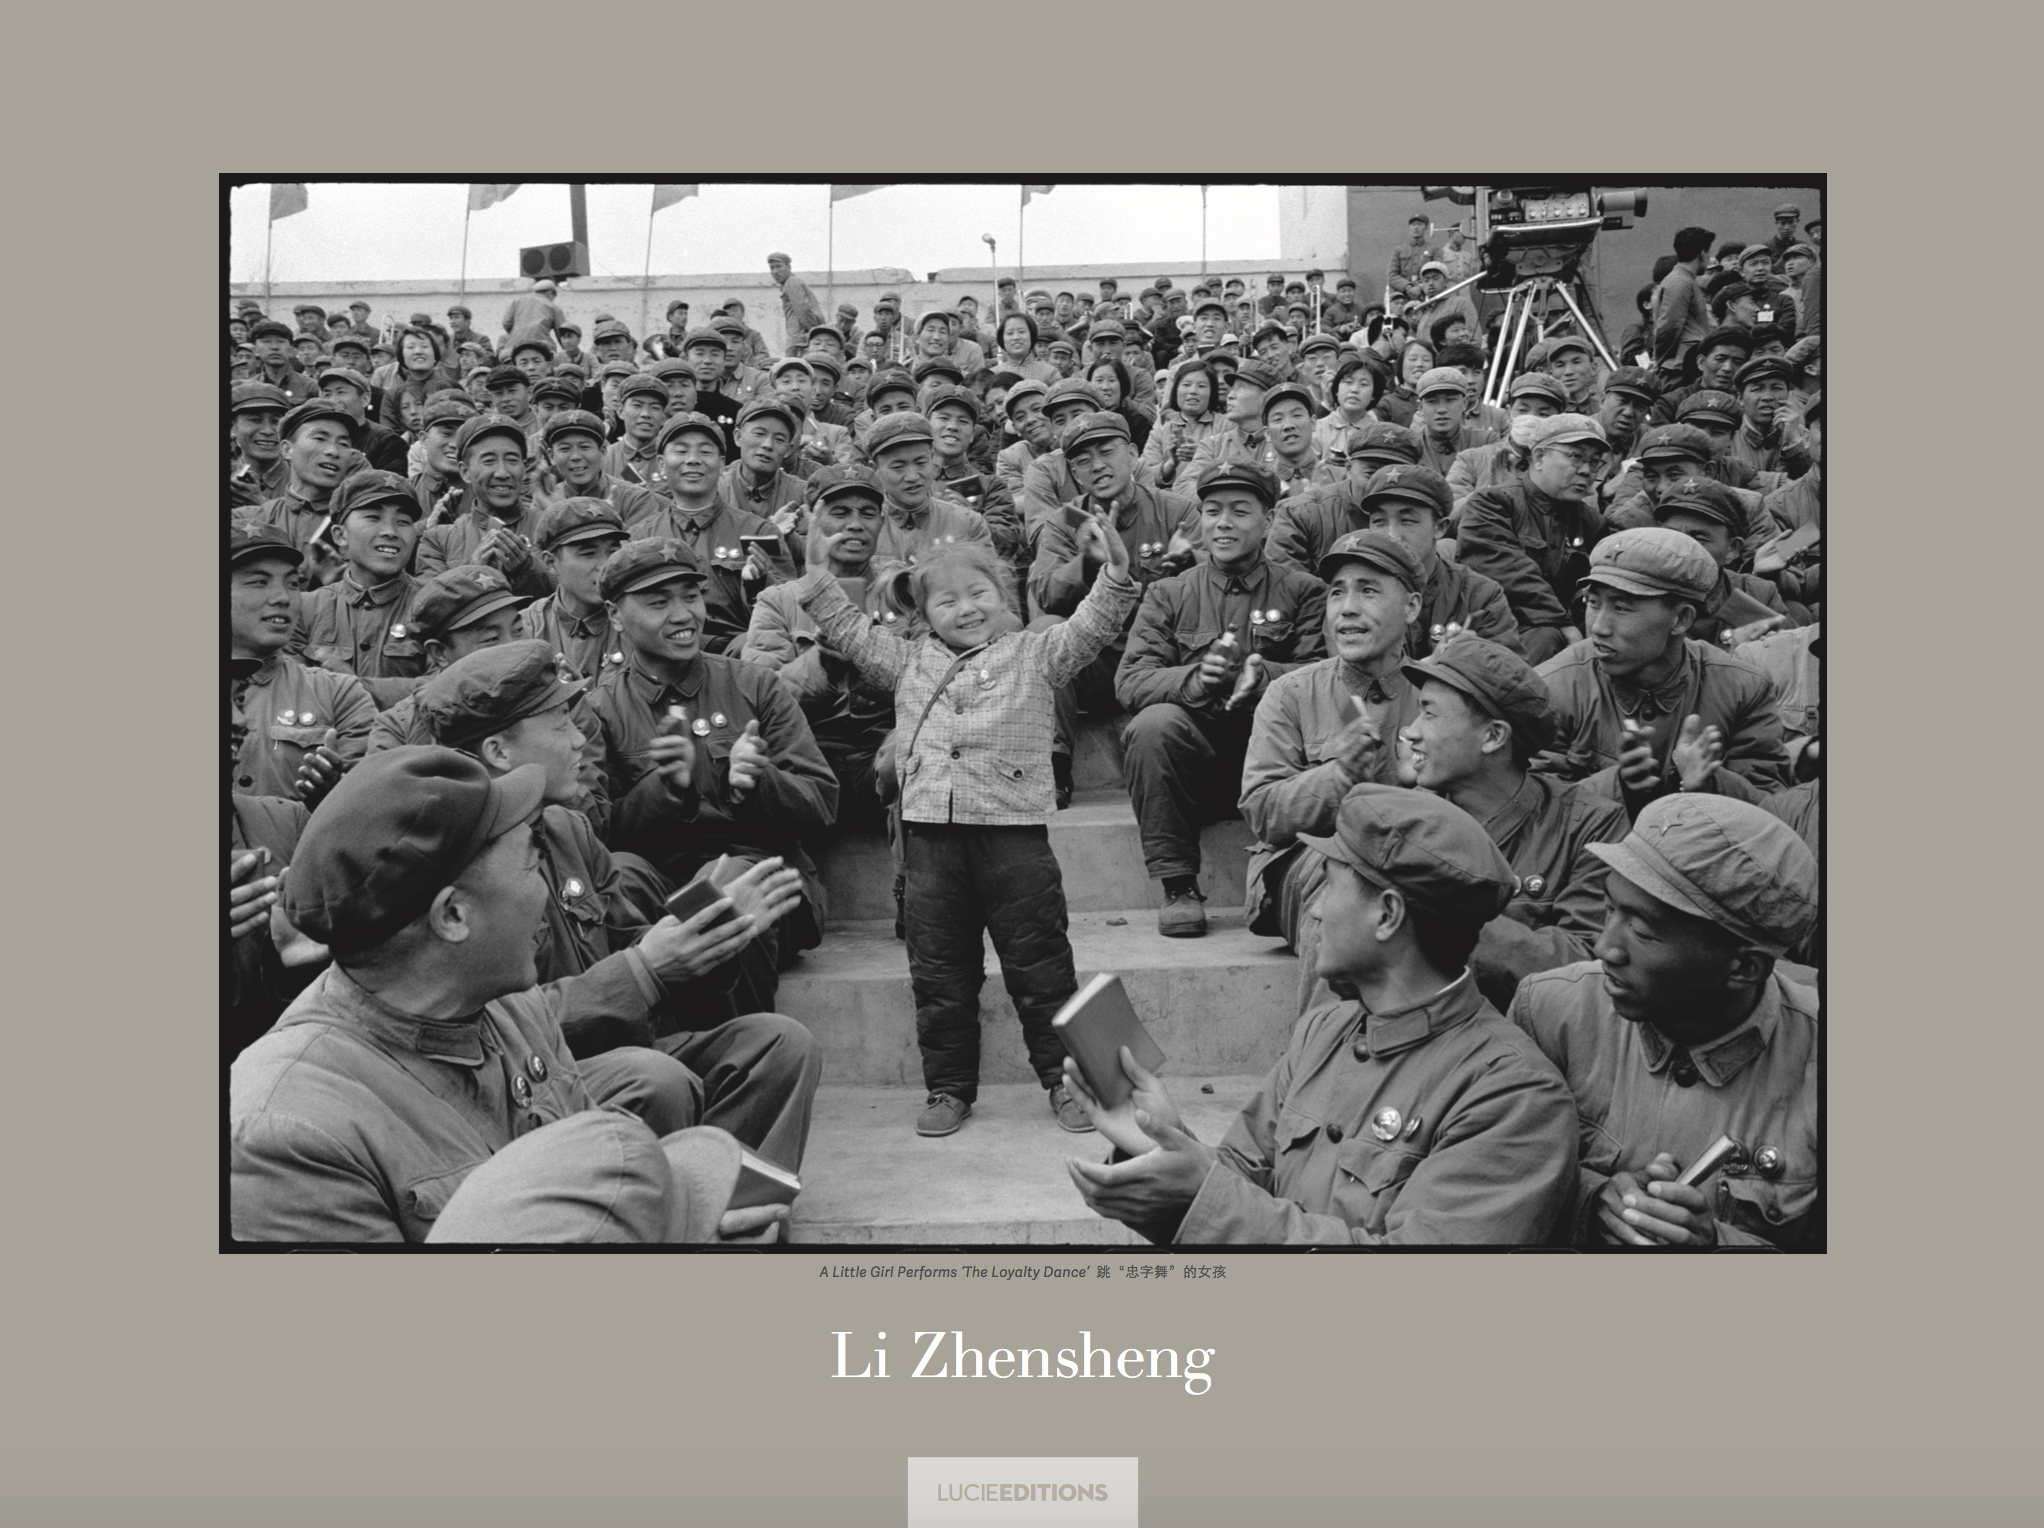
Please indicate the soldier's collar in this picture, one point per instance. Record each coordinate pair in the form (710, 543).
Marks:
(1718, 1061)
(355, 592)
(1386, 1034)
(650, 688)
(458, 1042)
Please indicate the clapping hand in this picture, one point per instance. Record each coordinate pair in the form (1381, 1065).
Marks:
(749, 760)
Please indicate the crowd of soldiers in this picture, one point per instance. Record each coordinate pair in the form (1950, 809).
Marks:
(552, 668)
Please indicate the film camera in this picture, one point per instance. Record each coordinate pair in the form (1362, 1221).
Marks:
(1540, 230)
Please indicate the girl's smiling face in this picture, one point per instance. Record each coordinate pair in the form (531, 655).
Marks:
(964, 607)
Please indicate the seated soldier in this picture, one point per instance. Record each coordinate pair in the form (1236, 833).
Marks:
(508, 389)
(1707, 514)
(1239, 437)
(1160, 529)
(256, 411)
(902, 449)
(292, 728)
(1048, 482)
(1569, 359)
(426, 1048)
(704, 755)
(1308, 523)
(758, 482)
(361, 623)
(347, 387)
(319, 448)
(493, 519)
(830, 411)
(1720, 416)
(695, 511)
(1792, 662)
(1533, 396)
(953, 413)
(1441, 420)
(1639, 696)
(461, 611)
(264, 971)
(1683, 1029)
(1770, 437)
(435, 469)
(1409, 1112)
(574, 444)
(1287, 412)
(1323, 729)
(816, 444)
(551, 398)
(1629, 398)
(634, 457)
(1410, 505)
(852, 720)
(1532, 537)
(892, 391)
(705, 351)
(1199, 653)
(1667, 455)
(753, 1075)
(1483, 716)
(1718, 356)
(576, 538)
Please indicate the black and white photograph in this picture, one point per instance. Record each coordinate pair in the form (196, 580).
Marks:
(1082, 716)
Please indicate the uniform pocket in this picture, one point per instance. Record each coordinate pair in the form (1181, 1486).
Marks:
(1376, 1166)
(1012, 784)
(427, 1197)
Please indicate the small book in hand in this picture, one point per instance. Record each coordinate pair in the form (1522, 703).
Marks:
(761, 1182)
(1094, 1026)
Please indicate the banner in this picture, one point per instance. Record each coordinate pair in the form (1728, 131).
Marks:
(1029, 191)
(667, 196)
(481, 196)
(839, 193)
(286, 197)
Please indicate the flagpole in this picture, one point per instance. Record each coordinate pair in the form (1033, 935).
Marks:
(830, 269)
(1021, 274)
(1202, 230)
(467, 213)
(646, 284)
(269, 243)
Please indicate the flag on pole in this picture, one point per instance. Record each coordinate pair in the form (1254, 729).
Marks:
(1029, 191)
(286, 197)
(667, 196)
(481, 196)
(839, 193)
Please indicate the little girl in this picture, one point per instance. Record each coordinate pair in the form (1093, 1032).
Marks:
(973, 723)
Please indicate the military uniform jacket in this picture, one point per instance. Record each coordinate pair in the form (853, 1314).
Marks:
(286, 707)
(586, 642)
(1759, 1084)
(250, 486)
(737, 488)
(588, 922)
(1436, 1125)
(714, 535)
(844, 709)
(1535, 548)
(295, 517)
(796, 796)
(1229, 442)
(365, 632)
(1732, 696)
(1048, 483)
(1543, 832)
(623, 460)
(993, 503)
(352, 1122)
(455, 544)
(1277, 613)
(1488, 466)
(256, 985)
(632, 502)
(906, 534)
(1441, 457)
(1061, 574)
(982, 754)
(1292, 782)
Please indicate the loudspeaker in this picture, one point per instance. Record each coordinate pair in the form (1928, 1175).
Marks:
(555, 260)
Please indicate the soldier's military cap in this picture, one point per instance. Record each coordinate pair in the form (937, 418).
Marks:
(1762, 368)
(835, 482)
(573, 422)
(907, 428)
(558, 388)
(647, 564)
(1669, 442)
(1653, 560)
(371, 485)
(688, 420)
(1706, 497)
(303, 414)
(1415, 485)
(1423, 846)
(1373, 549)
(1711, 404)
(1723, 860)
(1634, 383)
(1503, 684)
(459, 596)
(492, 689)
(256, 395)
(577, 519)
(1254, 476)
(248, 541)
(270, 326)
(477, 426)
(1296, 392)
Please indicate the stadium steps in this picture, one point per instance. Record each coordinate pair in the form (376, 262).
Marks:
(1221, 1007)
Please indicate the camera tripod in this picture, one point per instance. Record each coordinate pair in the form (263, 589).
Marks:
(1531, 304)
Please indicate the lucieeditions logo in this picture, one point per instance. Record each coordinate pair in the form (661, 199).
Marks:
(1020, 1490)
(937, 1361)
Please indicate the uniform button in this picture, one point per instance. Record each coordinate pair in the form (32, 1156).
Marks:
(954, 753)
(1334, 1133)
(246, 780)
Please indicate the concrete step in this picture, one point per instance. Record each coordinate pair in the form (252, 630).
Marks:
(869, 1180)
(1097, 845)
(1222, 1004)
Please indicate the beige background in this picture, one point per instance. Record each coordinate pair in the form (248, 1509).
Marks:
(151, 1379)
